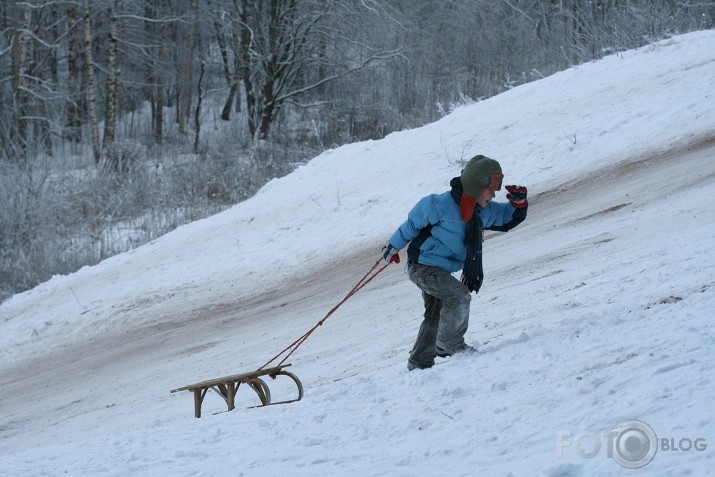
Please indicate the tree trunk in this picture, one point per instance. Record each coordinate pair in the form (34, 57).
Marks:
(185, 90)
(237, 60)
(245, 47)
(156, 33)
(110, 119)
(269, 110)
(73, 125)
(197, 113)
(89, 83)
(230, 82)
(227, 106)
(20, 34)
(42, 136)
(270, 67)
(159, 88)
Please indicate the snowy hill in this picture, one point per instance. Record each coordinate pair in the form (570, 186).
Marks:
(595, 311)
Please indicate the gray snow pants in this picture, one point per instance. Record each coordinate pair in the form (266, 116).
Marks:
(446, 313)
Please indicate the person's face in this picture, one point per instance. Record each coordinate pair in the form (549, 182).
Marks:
(484, 198)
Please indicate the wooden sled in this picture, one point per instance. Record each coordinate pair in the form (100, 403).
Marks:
(227, 387)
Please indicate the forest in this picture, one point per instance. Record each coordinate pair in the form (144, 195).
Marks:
(121, 120)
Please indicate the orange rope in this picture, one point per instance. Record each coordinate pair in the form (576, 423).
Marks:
(294, 346)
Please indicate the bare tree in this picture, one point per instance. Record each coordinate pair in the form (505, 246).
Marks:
(73, 129)
(20, 46)
(231, 69)
(186, 40)
(280, 47)
(89, 83)
(110, 117)
(197, 111)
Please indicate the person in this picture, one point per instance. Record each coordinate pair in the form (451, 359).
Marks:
(445, 234)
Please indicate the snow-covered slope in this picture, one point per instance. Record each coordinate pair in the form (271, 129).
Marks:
(595, 311)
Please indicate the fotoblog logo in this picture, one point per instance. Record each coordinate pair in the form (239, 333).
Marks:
(633, 444)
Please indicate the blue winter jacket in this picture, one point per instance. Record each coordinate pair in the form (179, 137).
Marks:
(437, 231)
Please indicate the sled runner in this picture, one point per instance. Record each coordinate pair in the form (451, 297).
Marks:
(227, 387)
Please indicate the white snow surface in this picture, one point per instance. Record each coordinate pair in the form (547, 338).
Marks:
(595, 311)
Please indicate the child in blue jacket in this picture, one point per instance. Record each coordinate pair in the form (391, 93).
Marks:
(445, 234)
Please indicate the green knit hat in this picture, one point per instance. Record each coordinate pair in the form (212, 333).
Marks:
(480, 173)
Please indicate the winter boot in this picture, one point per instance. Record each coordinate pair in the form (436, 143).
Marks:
(466, 349)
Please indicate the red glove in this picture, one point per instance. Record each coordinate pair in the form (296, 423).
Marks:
(517, 196)
(390, 254)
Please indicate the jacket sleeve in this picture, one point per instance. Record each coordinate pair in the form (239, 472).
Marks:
(421, 215)
(502, 216)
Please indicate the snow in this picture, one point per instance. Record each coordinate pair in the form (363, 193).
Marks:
(595, 311)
